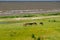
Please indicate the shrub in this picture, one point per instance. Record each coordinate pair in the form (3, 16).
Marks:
(33, 36)
(38, 38)
(54, 20)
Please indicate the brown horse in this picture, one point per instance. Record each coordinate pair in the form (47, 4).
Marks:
(41, 23)
(30, 23)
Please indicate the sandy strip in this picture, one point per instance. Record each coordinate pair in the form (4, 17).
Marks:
(32, 18)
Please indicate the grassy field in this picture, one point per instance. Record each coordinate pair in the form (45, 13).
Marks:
(11, 29)
(15, 30)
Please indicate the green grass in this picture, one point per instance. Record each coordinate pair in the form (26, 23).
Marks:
(31, 15)
(17, 31)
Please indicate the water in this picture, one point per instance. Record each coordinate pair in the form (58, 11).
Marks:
(18, 5)
(3, 22)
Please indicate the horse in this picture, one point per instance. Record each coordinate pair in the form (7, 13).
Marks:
(30, 23)
(41, 23)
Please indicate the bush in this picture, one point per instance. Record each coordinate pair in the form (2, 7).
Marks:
(38, 38)
(33, 36)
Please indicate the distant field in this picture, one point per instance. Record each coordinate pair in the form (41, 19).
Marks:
(29, 5)
(18, 15)
(15, 30)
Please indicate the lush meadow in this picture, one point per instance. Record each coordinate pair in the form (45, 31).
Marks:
(15, 30)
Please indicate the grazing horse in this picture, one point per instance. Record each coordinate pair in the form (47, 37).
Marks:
(30, 23)
(41, 23)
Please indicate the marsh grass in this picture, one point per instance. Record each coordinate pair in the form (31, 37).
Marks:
(17, 31)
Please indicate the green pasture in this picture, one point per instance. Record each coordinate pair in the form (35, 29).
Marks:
(15, 30)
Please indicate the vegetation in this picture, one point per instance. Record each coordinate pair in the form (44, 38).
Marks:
(17, 31)
(31, 15)
(38, 38)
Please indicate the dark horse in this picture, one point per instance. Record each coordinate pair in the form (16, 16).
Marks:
(41, 23)
(30, 23)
